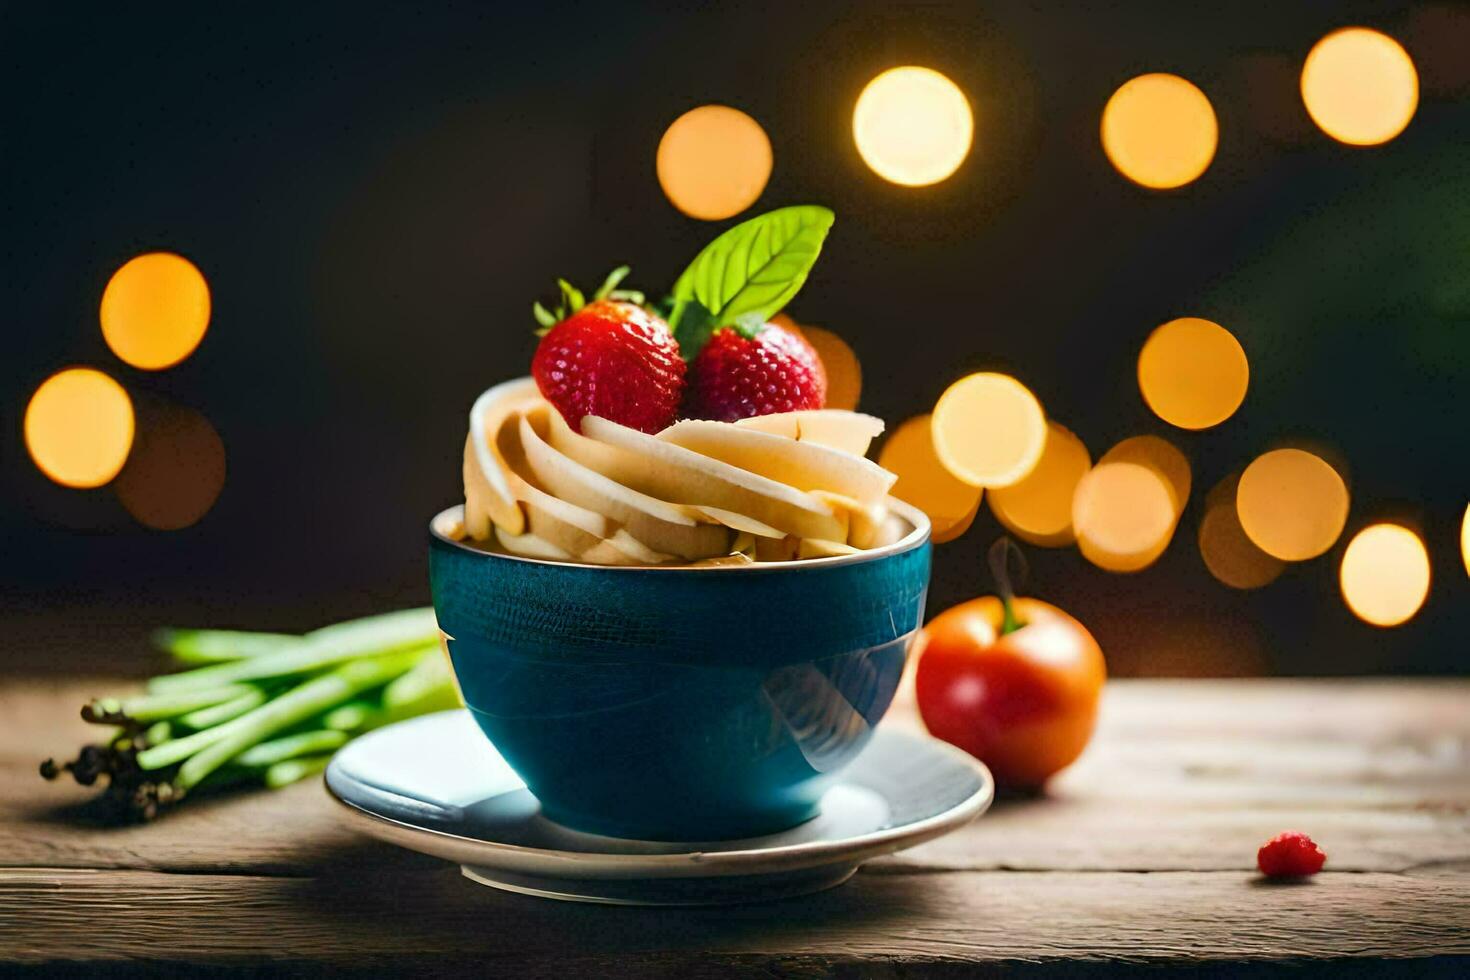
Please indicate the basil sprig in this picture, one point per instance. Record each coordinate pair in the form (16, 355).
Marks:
(748, 274)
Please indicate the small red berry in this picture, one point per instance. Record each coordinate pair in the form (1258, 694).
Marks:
(614, 360)
(1290, 855)
(736, 376)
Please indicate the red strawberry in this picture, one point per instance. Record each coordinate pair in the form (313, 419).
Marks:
(611, 359)
(737, 375)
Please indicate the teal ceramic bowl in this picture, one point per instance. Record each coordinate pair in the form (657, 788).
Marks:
(679, 704)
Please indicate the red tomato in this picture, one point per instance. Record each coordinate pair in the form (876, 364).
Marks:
(1024, 703)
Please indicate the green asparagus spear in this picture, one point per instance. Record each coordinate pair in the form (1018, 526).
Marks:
(292, 770)
(148, 708)
(319, 649)
(428, 686)
(265, 707)
(218, 714)
(354, 716)
(290, 747)
(216, 646)
(295, 706)
(179, 749)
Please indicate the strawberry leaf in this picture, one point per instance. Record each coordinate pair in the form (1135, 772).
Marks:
(572, 295)
(571, 300)
(611, 282)
(754, 268)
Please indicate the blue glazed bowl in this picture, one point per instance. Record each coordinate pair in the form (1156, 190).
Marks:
(680, 704)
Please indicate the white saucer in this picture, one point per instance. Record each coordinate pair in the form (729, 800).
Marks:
(434, 784)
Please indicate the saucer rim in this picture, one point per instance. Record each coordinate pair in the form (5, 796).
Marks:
(692, 863)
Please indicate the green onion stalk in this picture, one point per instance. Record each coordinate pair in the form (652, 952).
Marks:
(259, 708)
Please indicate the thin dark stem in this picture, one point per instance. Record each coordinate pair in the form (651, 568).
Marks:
(1001, 553)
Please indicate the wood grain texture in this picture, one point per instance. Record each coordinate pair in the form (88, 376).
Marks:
(1141, 853)
(1188, 775)
(970, 917)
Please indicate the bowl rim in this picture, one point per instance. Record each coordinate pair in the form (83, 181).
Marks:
(917, 536)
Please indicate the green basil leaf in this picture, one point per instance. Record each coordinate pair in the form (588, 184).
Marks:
(755, 267)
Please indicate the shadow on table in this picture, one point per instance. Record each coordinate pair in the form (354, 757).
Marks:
(96, 812)
(439, 908)
(240, 833)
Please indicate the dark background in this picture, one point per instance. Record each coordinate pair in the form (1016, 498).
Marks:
(376, 193)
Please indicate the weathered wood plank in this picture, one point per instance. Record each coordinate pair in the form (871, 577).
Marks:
(963, 918)
(1092, 835)
(1383, 780)
(1183, 775)
(242, 833)
(1189, 775)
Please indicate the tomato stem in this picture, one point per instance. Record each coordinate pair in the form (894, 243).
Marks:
(999, 559)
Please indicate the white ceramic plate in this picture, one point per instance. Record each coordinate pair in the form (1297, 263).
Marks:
(434, 784)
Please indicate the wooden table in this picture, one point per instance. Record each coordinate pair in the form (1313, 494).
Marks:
(1143, 853)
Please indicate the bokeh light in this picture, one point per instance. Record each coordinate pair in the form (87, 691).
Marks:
(1193, 373)
(913, 126)
(1159, 130)
(713, 162)
(1230, 555)
(1360, 86)
(1385, 574)
(989, 430)
(1124, 516)
(79, 427)
(1465, 538)
(844, 372)
(924, 482)
(1038, 508)
(1292, 504)
(155, 310)
(1161, 456)
(175, 472)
